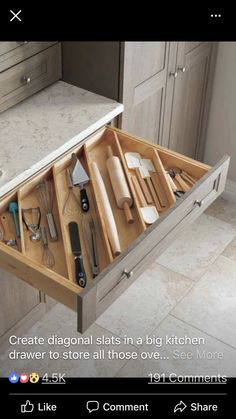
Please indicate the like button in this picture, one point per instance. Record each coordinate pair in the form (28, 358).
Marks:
(27, 407)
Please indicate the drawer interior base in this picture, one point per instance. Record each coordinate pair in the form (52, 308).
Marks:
(162, 188)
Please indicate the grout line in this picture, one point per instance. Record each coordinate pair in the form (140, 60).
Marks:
(220, 219)
(195, 281)
(211, 262)
(228, 259)
(206, 333)
(123, 366)
(171, 270)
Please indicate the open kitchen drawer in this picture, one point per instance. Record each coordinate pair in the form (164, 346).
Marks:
(140, 243)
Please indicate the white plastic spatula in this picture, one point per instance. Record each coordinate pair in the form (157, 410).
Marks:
(148, 164)
(149, 214)
(133, 159)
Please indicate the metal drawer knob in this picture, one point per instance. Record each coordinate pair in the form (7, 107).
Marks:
(182, 69)
(199, 203)
(174, 74)
(127, 273)
(27, 79)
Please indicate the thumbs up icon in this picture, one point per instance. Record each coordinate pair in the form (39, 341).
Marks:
(27, 407)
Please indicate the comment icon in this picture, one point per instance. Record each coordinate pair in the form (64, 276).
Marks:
(92, 406)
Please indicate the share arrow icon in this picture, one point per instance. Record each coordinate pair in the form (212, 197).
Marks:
(181, 406)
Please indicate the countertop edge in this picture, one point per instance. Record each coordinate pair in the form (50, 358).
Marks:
(9, 186)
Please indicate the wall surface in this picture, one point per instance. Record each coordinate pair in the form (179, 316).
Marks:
(221, 133)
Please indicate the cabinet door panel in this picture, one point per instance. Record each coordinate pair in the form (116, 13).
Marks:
(189, 46)
(141, 52)
(144, 111)
(189, 98)
(145, 73)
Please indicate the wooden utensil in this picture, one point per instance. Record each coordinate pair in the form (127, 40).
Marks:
(133, 161)
(153, 183)
(158, 188)
(149, 213)
(119, 184)
(7, 224)
(186, 176)
(146, 175)
(1, 232)
(139, 192)
(106, 211)
(171, 182)
(175, 174)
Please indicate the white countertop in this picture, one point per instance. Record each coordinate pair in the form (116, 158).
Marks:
(41, 128)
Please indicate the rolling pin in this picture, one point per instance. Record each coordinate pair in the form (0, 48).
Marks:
(107, 211)
(119, 184)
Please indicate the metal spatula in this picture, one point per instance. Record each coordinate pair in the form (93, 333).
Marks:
(80, 178)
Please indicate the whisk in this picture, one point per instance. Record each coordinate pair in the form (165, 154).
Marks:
(44, 193)
(48, 258)
(72, 204)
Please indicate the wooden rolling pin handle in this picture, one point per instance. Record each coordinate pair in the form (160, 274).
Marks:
(128, 213)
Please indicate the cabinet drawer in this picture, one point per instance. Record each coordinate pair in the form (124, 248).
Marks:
(140, 243)
(12, 53)
(28, 77)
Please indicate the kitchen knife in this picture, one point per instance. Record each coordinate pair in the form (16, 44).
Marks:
(80, 274)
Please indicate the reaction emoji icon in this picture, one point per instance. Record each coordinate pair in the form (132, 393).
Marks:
(13, 377)
(24, 378)
(34, 377)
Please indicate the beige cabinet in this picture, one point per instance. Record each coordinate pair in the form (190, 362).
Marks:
(165, 86)
(144, 88)
(25, 68)
(185, 130)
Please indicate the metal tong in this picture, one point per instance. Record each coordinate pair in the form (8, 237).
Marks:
(89, 233)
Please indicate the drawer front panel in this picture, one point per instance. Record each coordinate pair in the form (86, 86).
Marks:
(30, 76)
(122, 273)
(12, 53)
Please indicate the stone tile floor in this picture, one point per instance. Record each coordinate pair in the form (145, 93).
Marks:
(189, 291)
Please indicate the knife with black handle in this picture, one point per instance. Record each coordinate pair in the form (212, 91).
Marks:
(80, 274)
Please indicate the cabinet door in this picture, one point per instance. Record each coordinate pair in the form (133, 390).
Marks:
(189, 99)
(16, 300)
(144, 88)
